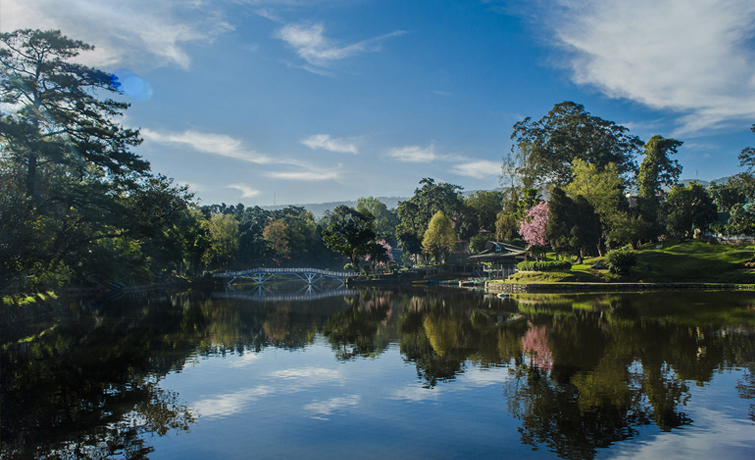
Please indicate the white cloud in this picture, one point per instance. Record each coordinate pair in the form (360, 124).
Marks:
(152, 32)
(332, 404)
(308, 374)
(312, 46)
(693, 57)
(325, 142)
(479, 169)
(246, 191)
(230, 403)
(308, 175)
(414, 154)
(724, 433)
(214, 144)
(416, 393)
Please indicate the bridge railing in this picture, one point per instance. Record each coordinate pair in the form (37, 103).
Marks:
(283, 270)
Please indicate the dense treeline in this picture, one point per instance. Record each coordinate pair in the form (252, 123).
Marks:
(77, 205)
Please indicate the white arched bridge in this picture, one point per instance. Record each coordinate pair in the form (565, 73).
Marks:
(261, 275)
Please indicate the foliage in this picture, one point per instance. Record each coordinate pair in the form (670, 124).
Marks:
(741, 220)
(689, 209)
(75, 200)
(386, 219)
(604, 191)
(657, 169)
(747, 156)
(60, 119)
(478, 242)
(485, 205)
(223, 232)
(569, 133)
(544, 266)
(275, 234)
(440, 238)
(619, 261)
(415, 213)
(727, 195)
(349, 232)
(572, 225)
(533, 227)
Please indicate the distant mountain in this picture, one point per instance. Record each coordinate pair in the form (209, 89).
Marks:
(318, 209)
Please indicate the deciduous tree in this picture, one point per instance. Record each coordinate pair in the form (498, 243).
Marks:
(439, 239)
(568, 133)
(350, 233)
(689, 209)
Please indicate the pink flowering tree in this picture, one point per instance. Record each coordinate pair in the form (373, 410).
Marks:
(532, 228)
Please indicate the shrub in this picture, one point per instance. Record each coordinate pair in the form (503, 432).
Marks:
(544, 266)
(619, 261)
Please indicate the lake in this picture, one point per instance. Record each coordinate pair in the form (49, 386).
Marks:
(374, 373)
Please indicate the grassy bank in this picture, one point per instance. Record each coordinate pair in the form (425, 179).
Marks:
(670, 262)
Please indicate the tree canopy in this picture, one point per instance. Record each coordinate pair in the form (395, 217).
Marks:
(349, 232)
(550, 146)
(439, 239)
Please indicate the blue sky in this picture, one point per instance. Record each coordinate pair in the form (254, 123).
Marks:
(303, 101)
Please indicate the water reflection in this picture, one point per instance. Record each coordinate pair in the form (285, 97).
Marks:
(585, 372)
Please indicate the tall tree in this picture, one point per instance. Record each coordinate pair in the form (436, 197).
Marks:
(689, 209)
(486, 205)
(386, 219)
(415, 213)
(349, 232)
(604, 190)
(61, 120)
(72, 160)
(572, 224)
(747, 155)
(657, 169)
(439, 239)
(567, 133)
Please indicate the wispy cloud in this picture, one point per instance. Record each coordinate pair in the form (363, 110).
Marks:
(414, 154)
(311, 375)
(124, 33)
(307, 175)
(693, 57)
(479, 169)
(312, 46)
(214, 144)
(325, 142)
(246, 191)
(416, 393)
(333, 404)
(230, 403)
(465, 166)
(226, 146)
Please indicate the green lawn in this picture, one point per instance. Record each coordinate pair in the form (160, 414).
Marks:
(694, 261)
(672, 261)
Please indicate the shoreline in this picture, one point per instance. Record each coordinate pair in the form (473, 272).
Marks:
(495, 287)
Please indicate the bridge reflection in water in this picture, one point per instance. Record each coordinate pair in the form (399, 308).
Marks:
(261, 275)
(261, 293)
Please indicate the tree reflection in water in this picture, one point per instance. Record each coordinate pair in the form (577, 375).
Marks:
(585, 371)
(88, 387)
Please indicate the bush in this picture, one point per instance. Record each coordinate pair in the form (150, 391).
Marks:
(619, 261)
(544, 266)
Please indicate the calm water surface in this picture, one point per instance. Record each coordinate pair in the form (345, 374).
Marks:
(382, 374)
